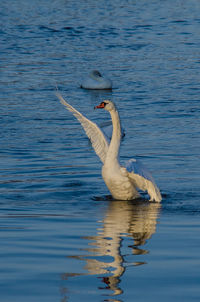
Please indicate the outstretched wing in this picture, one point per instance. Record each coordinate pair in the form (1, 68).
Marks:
(142, 179)
(95, 135)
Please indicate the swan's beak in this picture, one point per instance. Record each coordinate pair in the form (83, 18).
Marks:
(102, 105)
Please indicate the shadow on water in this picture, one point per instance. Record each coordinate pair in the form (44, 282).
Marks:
(109, 251)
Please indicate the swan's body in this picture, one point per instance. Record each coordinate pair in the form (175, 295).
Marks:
(96, 81)
(122, 182)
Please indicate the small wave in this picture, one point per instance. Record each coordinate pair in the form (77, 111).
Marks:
(181, 203)
(50, 29)
(73, 184)
(72, 31)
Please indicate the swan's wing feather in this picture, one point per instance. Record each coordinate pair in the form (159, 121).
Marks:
(95, 135)
(142, 179)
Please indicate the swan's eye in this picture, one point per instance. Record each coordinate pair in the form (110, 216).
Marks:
(97, 73)
(102, 105)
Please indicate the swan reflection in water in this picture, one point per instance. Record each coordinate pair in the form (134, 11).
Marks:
(123, 220)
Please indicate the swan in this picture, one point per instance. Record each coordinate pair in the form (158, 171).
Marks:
(96, 81)
(123, 182)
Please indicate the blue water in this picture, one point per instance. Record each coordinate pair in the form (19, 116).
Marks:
(62, 237)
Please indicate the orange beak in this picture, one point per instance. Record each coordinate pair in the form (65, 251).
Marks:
(102, 105)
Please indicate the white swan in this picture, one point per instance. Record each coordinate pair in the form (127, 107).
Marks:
(122, 182)
(96, 81)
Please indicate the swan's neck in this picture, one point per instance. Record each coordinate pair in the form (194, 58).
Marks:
(113, 150)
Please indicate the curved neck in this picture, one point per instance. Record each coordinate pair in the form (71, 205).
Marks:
(113, 150)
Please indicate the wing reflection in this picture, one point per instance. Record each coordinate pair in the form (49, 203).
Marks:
(111, 248)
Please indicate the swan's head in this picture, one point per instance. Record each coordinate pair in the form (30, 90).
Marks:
(95, 74)
(107, 105)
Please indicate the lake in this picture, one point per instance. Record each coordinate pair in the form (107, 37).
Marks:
(63, 238)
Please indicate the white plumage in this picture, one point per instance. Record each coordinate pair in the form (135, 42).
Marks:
(122, 182)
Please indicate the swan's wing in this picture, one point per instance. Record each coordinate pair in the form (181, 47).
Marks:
(142, 179)
(95, 135)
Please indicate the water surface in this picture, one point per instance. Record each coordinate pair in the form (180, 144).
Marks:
(63, 238)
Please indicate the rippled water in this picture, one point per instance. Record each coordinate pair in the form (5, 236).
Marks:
(62, 237)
